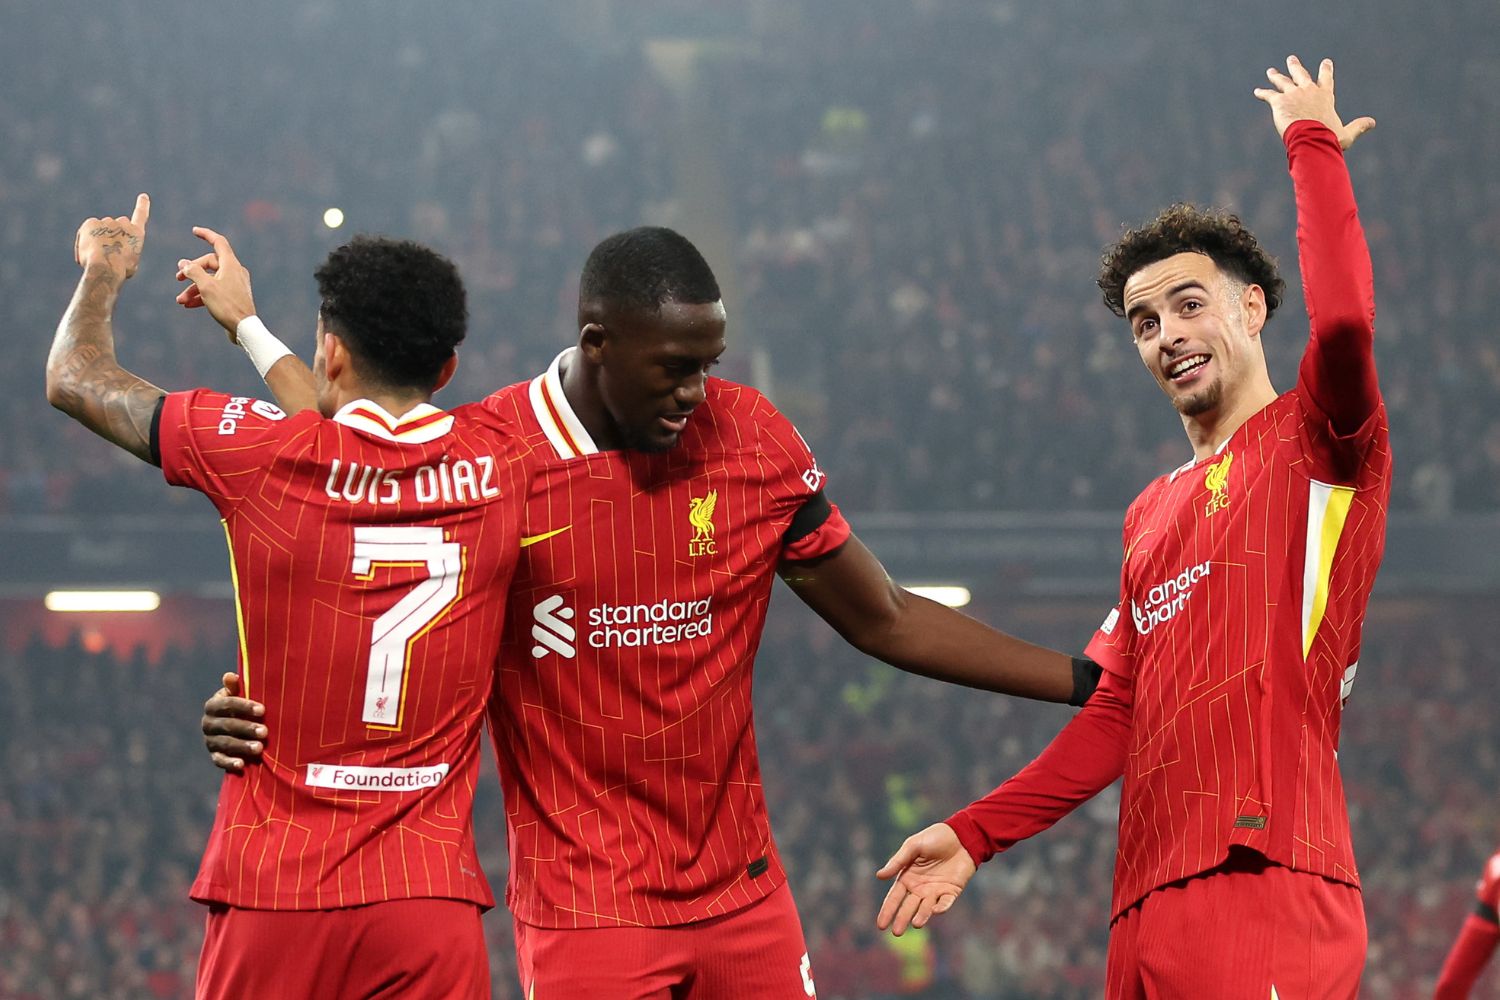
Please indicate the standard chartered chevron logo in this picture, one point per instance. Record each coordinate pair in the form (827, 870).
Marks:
(551, 630)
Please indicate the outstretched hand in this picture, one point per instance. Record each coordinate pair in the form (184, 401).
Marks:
(219, 282)
(115, 243)
(930, 870)
(1296, 96)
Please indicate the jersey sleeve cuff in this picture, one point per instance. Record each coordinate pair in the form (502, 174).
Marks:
(971, 837)
(833, 532)
(1101, 652)
(170, 438)
(1307, 131)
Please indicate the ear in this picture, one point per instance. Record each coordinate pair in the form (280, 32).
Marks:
(336, 358)
(445, 374)
(591, 340)
(1253, 305)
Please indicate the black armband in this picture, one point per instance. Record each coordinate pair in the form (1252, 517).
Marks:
(1486, 912)
(808, 519)
(156, 432)
(1086, 674)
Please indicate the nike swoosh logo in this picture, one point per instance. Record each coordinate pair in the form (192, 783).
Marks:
(533, 539)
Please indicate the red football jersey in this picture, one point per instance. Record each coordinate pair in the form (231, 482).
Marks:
(622, 717)
(371, 557)
(1242, 596)
(1476, 940)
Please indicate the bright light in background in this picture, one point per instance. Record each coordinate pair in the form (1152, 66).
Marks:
(102, 600)
(333, 218)
(953, 596)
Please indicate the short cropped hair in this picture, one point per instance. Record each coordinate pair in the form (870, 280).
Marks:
(1184, 228)
(641, 269)
(399, 307)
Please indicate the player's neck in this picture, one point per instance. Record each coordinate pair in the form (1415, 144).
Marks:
(582, 393)
(397, 404)
(1207, 432)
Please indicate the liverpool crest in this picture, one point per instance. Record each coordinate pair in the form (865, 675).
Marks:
(701, 517)
(1217, 481)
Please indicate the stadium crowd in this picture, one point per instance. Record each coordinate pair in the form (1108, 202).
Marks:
(915, 197)
(106, 797)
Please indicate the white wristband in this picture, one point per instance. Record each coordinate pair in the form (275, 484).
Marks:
(260, 344)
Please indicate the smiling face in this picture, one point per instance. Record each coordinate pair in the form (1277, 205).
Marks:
(653, 369)
(1197, 330)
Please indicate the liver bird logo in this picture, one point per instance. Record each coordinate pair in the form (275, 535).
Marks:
(701, 516)
(1217, 481)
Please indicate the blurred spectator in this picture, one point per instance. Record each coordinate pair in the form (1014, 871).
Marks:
(106, 798)
(915, 196)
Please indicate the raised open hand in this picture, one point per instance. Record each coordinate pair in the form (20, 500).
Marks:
(1296, 96)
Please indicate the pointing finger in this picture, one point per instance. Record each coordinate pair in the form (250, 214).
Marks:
(219, 242)
(142, 210)
(1325, 74)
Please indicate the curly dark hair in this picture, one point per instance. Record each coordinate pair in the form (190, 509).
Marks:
(398, 306)
(640, 269)
(1186, 228)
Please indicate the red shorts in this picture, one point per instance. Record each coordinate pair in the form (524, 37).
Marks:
(752, 954)
(1247, 930)
(412, 948)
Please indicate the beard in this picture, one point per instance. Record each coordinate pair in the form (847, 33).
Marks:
(637, 439)
(1202, 401)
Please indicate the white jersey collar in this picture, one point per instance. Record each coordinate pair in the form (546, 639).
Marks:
(555, 414)
(418, 425)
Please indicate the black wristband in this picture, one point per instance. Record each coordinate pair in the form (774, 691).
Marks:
(1086, 674)
(1487, 912)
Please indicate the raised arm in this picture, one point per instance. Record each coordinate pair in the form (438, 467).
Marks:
(221, 284)
(84, 378)
(851, 590)
(1338, 368)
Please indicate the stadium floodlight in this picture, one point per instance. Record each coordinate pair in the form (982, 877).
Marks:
(102, 600)
(950, 594)
(333, 218)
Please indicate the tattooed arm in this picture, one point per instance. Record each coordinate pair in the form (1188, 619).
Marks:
(83, 378)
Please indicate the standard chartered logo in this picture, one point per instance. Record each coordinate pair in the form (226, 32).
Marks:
(619, 626)
(1166, 599)
(550, 628)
